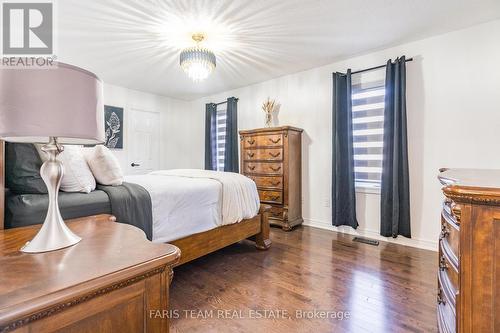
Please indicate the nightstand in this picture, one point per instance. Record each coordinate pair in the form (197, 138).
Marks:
(113, 280)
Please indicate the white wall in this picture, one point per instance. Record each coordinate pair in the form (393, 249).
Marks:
(453, 98)
(170, 110)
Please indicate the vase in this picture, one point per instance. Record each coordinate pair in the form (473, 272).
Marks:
(269, 119)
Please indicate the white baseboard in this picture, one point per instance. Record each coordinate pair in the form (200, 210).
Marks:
(413, 242)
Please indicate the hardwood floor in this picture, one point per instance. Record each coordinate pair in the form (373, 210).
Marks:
(385, 288)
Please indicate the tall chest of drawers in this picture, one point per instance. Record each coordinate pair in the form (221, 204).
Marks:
(468, 293)
(272, 158)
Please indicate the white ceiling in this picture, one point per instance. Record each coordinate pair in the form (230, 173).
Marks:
(136, 44)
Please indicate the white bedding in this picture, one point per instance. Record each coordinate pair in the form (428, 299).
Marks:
(188, 201)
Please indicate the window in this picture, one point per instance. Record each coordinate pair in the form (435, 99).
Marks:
(368, 131)
(221, 137)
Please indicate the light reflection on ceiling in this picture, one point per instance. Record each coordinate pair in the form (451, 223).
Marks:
(136, 44)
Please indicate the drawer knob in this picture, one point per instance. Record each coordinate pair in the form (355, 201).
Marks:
(275, 169)
(251, 154)
(275, 198)
(251, 141)
(251, 167)
(274, 154)
(275, 141)
(440, 299)
(442, 264)
(444, 232)
(276, 183)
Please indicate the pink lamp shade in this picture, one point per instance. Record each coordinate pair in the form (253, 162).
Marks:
(63, 101)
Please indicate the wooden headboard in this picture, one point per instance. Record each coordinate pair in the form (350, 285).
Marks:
(2, 184)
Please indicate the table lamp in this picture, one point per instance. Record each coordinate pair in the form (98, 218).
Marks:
(57, 105)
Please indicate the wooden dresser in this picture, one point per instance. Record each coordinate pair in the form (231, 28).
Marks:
(469, 252)
(272, 158)
(113, 280)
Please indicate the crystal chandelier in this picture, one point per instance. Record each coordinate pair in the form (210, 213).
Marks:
(196, 61)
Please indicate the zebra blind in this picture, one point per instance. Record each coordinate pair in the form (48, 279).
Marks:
(221, 138)
(368, 131)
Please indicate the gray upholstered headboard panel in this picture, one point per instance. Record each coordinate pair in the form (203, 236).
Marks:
(2, 184)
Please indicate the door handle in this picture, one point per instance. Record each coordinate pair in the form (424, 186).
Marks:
(134, 165)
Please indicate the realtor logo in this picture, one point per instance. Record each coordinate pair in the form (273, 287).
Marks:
(27, 28)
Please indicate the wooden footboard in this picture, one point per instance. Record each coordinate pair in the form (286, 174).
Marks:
(198, 245)
(262, 240)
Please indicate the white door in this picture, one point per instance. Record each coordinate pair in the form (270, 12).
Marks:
(143, 139)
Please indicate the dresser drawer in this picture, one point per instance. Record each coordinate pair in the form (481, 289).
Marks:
(446, 319)
(263, 168)
(450, 236)
(269, 140)
(276, 213)
(265, 154)
(448, 272)
(453, 210)
(445, 310)
(268, 182)
(271, 196)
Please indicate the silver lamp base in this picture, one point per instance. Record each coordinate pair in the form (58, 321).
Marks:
(54, 233)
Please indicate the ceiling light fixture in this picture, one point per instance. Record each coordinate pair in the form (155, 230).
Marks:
(196, 61)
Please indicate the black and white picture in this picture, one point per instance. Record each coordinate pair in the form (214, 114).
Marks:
(113, 124)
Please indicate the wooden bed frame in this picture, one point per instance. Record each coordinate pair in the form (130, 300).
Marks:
(197, 245)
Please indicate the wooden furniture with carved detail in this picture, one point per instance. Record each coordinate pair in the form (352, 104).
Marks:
(113, 280)
(272, 158)
(469, 252)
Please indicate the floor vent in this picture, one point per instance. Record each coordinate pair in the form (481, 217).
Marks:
(366, 241)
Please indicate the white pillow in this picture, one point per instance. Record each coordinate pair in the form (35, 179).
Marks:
(104, 166)
(77, 176)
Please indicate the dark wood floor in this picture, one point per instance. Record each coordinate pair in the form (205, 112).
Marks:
(389, 288)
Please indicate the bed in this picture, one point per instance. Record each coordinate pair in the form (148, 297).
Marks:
(193, 209)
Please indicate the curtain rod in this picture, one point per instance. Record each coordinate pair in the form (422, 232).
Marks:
(226, 101)
(376, 67)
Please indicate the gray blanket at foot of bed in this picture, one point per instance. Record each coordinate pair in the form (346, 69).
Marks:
(131, 204)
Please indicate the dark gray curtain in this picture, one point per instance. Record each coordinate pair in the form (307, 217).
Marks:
(210, 140)
(231, 163)
(395, 188)
(343, 189)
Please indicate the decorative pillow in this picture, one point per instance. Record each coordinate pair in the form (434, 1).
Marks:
(77, 176)
(104, 165)
(22, 169)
